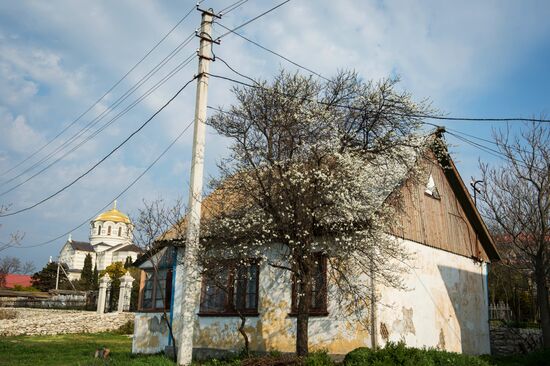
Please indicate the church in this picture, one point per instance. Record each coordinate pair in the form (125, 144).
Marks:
(111, 235)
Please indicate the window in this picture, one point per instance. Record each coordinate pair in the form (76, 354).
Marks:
(318, 304)
(431, 189)
(108, 230)
(156, 293)
(99, 230)
(119, 231)
(232, 290)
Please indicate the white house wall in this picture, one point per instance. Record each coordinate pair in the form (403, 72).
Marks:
(445, 306)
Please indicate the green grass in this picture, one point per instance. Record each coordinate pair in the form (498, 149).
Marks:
(72, 349)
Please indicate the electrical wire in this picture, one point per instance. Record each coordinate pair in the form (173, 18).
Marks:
(275, 53)
(412, 115)
(104, 158)
(103, 114)
(126, 110)
(493, 152)
(253, 19)
(118, 196)
(105, 94)
(230, 8)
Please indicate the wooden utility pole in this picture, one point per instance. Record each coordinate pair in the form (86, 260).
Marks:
(190, 268)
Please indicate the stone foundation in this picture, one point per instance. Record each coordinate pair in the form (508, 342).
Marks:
(509, 341)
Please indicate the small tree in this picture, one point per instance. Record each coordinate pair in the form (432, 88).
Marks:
(87, 276)
(157, 226)
(95, 278)
(517, 203)
(311, 169)
(115, 271)
(14, 238)
(45, 279)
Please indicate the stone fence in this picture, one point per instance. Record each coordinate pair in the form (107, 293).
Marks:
(54, 299)
(27, 321)
(509, 341)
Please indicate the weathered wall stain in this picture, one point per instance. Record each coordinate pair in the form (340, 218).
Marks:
(384, 332)
(432, 313)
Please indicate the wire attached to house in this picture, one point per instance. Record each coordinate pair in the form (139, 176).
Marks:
(155, 46)
(412, 115)
(116, 197)
(105, 157)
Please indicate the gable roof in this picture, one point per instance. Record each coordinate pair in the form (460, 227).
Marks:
(81, 245)
(466, 202)
(388, 183)
(130, 248)
(13, 279)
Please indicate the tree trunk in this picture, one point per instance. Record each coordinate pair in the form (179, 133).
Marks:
(542, 302)
(302, 321)
(245, 336)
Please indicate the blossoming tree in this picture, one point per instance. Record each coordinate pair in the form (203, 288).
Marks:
(312, 172)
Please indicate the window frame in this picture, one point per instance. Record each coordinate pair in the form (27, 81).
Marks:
(323, 292)
(167, 290)
(229, 308)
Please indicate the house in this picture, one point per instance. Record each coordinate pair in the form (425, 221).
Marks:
(110, 241)
(13, 279)
(444, 305)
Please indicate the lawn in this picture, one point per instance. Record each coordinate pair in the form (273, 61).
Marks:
(79, 349)
(72, 349)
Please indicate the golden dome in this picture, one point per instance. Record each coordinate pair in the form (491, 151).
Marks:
(113, 215)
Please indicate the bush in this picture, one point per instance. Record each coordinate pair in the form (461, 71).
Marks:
(537, 358)
(400, 355)
(319, 358)
(126, 328)
(25, 288)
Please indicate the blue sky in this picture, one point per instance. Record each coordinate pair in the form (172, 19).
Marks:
(470, 58)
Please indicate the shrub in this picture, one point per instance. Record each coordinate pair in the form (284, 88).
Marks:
(400, 355)
(126, 328)
(25, 288)
(318, 358)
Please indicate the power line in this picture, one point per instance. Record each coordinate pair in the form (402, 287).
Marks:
(275, 53)
(119, 195)
(230, 8)
(493, 152)
(253, 19)
(412, 115)
(105, 94)
(516, 148)
(103, 114)
(112, 120)
(105, 157)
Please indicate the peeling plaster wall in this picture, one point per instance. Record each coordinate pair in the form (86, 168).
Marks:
(274, 329)
(444, 306)
(151, 333)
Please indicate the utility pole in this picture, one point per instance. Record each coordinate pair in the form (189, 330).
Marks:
(190, 268)
(57, 277)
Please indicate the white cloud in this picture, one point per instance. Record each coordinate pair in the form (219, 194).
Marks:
(16, 134)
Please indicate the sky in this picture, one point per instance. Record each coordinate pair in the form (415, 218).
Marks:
(57, 58)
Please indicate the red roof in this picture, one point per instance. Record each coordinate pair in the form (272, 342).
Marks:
(18, 279)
